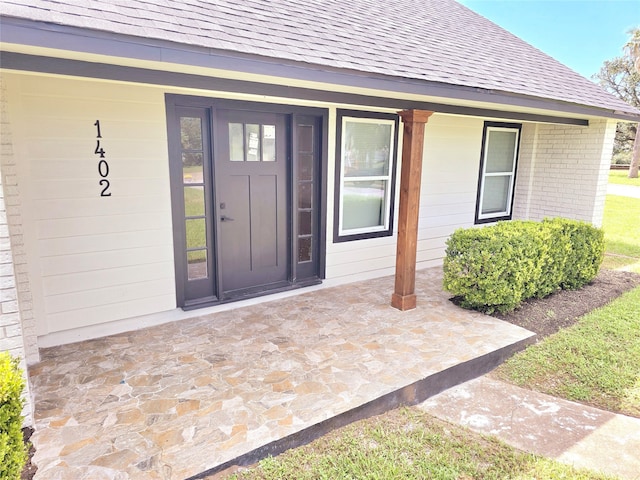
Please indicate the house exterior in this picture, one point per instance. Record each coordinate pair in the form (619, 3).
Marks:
(161, 157)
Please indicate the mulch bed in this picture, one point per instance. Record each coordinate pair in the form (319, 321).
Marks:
(562, 309)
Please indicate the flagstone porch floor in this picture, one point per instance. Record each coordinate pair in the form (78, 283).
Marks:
(180, 399)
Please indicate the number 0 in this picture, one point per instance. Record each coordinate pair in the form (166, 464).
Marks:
(103, 168)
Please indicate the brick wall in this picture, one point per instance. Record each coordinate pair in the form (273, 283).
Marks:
(563, 171)
(17, 324)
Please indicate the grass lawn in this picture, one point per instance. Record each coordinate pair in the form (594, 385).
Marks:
(620, 177)
(622, 232)
(408, 444)
(596, 361)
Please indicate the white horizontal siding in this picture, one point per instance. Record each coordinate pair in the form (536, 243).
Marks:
(77, 281)
(447, 202)
(105, 296)
(96, 259)
(98, 314)
(100, 260)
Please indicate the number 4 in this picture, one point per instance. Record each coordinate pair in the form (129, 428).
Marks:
(99, 150)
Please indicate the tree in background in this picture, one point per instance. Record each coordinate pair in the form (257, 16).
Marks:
(633, 49)
(621, 76)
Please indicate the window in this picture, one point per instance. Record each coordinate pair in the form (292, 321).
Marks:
(498, 163)
(365, 175)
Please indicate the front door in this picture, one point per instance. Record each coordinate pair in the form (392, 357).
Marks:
(251, 183)
(246, 189)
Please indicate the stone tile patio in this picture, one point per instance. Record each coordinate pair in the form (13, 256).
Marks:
(177, 400)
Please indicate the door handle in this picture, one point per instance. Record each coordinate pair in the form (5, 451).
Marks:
(224, 218)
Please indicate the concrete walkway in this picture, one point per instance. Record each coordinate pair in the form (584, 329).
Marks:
(566, 431)
(623, 190)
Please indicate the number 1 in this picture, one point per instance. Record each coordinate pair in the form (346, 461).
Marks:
(97, 124)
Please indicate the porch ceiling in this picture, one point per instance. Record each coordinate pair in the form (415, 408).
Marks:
(176, 400)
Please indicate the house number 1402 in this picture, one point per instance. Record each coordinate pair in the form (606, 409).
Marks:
(103, 166)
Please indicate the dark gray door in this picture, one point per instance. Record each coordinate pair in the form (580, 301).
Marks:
(251, 195)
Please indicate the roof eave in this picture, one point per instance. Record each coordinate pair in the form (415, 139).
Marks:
(48, 35)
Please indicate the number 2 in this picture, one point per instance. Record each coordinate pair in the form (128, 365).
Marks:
(105, 184)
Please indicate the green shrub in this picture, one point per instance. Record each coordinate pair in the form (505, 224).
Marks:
(13, 454)
(585, 251)
(497, 267)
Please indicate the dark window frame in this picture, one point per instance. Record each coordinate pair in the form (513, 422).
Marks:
(481, 174)
(340, 115)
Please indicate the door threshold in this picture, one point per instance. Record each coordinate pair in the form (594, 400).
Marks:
(246, 294)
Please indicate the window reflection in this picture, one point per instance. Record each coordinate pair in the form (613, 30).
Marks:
(236, 142)
(197, 264)
(252, 134)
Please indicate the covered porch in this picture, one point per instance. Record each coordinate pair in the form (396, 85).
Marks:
(181, 399)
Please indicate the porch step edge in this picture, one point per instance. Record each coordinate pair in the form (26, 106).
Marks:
(408, 395)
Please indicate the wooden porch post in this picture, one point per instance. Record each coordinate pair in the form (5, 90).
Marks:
(404, 297)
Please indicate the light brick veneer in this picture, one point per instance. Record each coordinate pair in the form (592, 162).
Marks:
(563, 171)
(17, 324)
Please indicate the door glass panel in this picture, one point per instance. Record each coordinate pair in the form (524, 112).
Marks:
(194, 201)
(304, 223)
(305, 138)
(197, 264)
(236, 143)
(305, 192)
(192, 167)
(363, 204)
(304, 249)
(191, 133)
(268, 143)
(196, 233)
(253, 142)
(305, 166)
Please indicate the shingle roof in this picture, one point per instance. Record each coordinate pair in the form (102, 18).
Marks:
(431, 40)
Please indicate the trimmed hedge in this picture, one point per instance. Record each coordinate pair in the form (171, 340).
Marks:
(13, 453)
(498, 267)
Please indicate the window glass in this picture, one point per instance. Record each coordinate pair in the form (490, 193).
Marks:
(196, 233)
(363, 204)
(268, 143)
(194, 201)
(305, 195)
(305, 138)
(236, 142)
(496, 194)
(501, 149)
(305, 166)
(197, 264)
(304, 249)
(497, 171)
(252, 133)
(191, 133)
(192, 167)
(367, 153)
(366, 149)
(304, 222)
